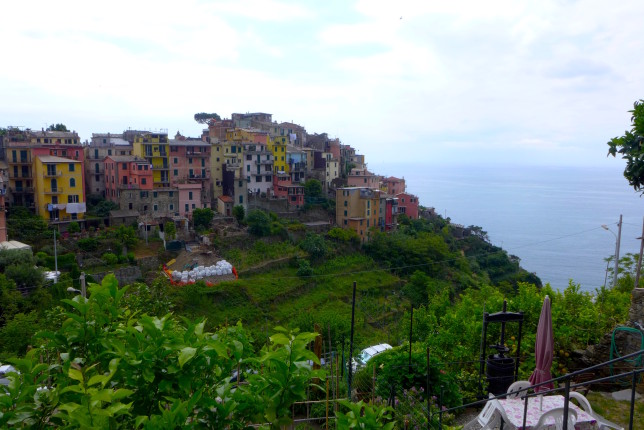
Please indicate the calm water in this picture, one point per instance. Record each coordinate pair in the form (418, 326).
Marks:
(550, 217)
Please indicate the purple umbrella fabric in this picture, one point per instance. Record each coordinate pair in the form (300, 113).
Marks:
(543, 348)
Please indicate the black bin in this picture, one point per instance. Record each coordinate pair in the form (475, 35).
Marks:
(500, 373)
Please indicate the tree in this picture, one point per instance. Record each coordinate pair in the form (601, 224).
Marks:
(314, 245)
(202, 218)
(204, 118)
(239, 213)
(57, 127)
(74, 227)
(630, 147)
(170, 230)
(259, 223)
(126, 235)
(312, 188)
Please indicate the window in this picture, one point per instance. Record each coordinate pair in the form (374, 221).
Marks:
(345, 213)
(155, 194)
(72, 198)
(176, 161)
(143, 181)
(54, 200)
(144, 194)
(72, 183)
(345, 222)
(155, 208)
(241, 200)
(171, 193)
(217, 157)
(187, 207)
(193, 206)
(98, 178)
(109, 152)
(189, 160)
(176, 172)
(189, 195)
(71, 167)
(171, 207)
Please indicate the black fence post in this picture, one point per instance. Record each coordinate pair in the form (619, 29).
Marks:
(633, 385)
(440, 410)
(566, 402)
(429, 397)
(353, 318)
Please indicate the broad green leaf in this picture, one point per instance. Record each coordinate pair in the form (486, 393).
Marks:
(96, 379)
(75, 374)
(186, 354)
(140, 420)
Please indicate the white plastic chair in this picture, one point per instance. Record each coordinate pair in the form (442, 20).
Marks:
(516, 387)
(490, 417)
(602, 422)
(557, 415)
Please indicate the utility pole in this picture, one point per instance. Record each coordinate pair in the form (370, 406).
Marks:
(639, 262)
(619, 237)
(82, 285)
(55, 259)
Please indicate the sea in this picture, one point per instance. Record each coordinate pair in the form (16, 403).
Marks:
(550, 217)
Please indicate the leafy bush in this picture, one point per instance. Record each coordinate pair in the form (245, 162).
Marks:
(343, 235)
(88, 244)
(74, 227)
(109, 368)
(305, 268)
(131, 257)
(259, 223)
(110, 258)
(314, 245)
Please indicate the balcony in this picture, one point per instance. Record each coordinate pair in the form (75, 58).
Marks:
(20, 161)
(162, 167)
(196, 154)
(57, 190)
(53, 174)
(21, 190)
(199, 177)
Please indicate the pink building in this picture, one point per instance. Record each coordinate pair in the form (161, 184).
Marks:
(408, 205)
(283, 188)
(391, 213)
(190, 163)
(126, 172)
(363, 178)
(189, 198)
(393, 185)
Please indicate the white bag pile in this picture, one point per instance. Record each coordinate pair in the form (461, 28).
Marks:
(221, 268)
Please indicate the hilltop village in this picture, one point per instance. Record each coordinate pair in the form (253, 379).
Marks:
(248, 160)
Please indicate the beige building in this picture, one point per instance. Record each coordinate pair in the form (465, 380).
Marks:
(358, 209)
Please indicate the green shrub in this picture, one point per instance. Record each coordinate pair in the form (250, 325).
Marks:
(305, 268)
(110, 259)
(131, 258)
(88, 244)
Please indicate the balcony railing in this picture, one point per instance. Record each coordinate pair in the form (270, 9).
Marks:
(57, 190)
(19, 190)
(196, 153)
(53, 174)
(20, 161)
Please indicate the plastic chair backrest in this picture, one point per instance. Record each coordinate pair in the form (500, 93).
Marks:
(583, 402)
(518, 386)
(489, 417)
(558, 416)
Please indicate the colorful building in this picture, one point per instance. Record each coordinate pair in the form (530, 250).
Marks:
(277, 145)
(258, 168)
(393, 185)
(190, 163)
(189, 198)
(363, 178)
(101, 146)
(126, 172)
(283, 188)
(155, 148)
(408, 205)
(358, 208)
(59, 190)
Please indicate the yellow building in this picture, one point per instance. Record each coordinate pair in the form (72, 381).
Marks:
(155, 148)
(277, 145)
(59, 193)
(358, 209)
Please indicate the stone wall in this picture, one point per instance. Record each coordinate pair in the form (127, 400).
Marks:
(636, 314)
(125, 275)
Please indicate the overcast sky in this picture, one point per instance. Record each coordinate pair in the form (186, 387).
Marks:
(544, 82)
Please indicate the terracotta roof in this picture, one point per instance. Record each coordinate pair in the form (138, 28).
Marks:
(225, 199)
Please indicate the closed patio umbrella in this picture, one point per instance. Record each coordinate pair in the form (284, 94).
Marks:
(543, 348)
